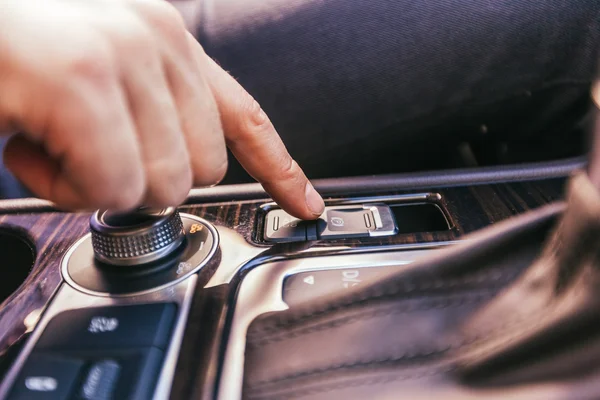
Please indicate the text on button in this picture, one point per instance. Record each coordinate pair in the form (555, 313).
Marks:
(103, 324)
(41, 383)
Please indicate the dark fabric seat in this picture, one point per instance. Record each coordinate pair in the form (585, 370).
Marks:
(363, 87)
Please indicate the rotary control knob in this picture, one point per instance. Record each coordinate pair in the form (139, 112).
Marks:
(135, 238)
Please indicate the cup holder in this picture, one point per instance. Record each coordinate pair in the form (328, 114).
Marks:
(17, 256)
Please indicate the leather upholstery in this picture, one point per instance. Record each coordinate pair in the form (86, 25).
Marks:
(512, 313)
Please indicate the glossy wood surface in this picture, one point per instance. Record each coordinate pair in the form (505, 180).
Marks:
(468, 209)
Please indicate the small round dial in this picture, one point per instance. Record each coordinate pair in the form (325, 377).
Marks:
(136, 238)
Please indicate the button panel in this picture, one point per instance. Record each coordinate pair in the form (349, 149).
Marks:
(337, 222)
(98, 353)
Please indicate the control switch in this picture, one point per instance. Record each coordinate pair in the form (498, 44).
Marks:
(46, 377)
(341, 222)
(100, 381)
(282, 227)
(337, 222)
(112, 327)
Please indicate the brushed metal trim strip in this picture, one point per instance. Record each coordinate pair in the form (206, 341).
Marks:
(349, 200)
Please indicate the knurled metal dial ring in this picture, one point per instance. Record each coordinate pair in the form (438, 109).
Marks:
(135, 238)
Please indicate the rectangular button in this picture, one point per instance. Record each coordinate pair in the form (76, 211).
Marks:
(344, 222)
(47, 377)
(104, 328)
(100, 381)
(120, 374)
(282, 227)
(356, 221)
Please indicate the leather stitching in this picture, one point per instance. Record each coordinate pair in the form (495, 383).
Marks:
(257, 342)
(357, 382)
(412, 354)
(407, 355)
(542, 316)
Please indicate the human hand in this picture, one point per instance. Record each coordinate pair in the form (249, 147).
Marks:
(121, 107)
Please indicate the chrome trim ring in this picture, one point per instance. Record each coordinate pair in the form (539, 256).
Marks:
(186, 266)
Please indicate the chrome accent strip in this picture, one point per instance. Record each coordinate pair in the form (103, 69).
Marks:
(235, 253)
(69, 298)
(398, 198)
(261, 292)
(376, 217)
(385, 223)
(163, 387)
(227, 270)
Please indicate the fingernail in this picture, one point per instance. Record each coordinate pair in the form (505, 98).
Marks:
(315, 203)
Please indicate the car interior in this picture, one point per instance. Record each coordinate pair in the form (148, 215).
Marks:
(426, 276)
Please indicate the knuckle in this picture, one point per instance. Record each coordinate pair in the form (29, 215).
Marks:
(166, 198)
(120, 191)
(93, 64)
(163, 16)
(126, 190)
(253, 118)
(177, 191)
(134, 41)
(290, 169)
(211, 176)
(117, 195)
(169, 182)
(221, 171)
(140, 41)
(129, 196)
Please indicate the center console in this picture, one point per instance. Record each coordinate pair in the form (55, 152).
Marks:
(157, 303)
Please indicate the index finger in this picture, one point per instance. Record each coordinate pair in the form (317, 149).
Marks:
(255, 143)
